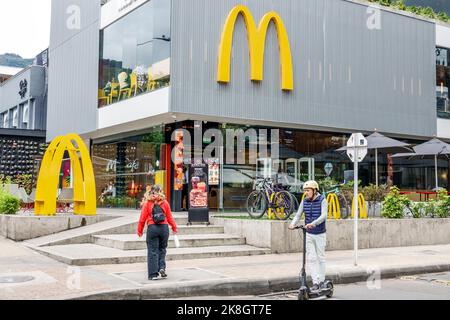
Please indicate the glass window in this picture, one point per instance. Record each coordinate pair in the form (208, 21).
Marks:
(25, 114)
(443, 82)
(5, 120)
(135, 53)
(124, 168)
(15, 118)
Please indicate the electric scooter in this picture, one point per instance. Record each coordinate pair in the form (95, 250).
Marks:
(304, 292)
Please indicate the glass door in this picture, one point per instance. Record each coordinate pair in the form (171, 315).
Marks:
(306, 169)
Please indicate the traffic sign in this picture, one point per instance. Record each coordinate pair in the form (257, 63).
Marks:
(328, 169)
(357, 147)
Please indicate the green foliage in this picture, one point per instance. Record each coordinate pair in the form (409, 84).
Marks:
(418, 209)
(5, 180)
(348, 190)
(399, 4)
(394, 204)
(25, 181)
(442, 204)
(427, 12)
(372, 193)
(121, 202)
(327, 184)
(8, 203)
(435, 208)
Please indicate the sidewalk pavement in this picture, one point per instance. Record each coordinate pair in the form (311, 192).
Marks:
(25, 274)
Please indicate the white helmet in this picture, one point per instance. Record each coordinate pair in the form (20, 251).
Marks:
(311, 185)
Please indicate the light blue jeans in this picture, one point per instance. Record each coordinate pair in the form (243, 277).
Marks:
(315, 256)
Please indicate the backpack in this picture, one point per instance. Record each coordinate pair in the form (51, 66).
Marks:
(158, 214)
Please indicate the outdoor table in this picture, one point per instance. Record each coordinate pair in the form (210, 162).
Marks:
(426, 194)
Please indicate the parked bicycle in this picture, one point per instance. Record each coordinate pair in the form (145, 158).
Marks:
(343, 202)
(270, 197)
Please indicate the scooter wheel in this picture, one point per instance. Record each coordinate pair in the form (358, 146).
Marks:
(331, 288)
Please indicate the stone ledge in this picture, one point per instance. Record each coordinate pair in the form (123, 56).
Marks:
(372, 233)
(22, 227)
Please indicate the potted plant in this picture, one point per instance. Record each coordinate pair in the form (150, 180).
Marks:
(394, 204)
(374, 195)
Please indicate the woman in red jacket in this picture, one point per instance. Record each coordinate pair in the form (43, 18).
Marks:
(157, 215)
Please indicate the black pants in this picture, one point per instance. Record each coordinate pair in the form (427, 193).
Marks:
(157, 239)
(184, 195)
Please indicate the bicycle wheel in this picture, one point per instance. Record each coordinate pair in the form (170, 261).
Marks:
(345, 208)
(256, 204)
(295, 206)
(284, 205)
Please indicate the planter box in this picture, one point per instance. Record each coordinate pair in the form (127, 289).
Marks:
(25, 227)
(372, 233)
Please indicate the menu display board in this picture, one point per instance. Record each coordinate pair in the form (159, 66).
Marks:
(198, 193)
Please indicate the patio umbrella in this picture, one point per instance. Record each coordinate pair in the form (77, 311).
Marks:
(377, 142)
(432, 149)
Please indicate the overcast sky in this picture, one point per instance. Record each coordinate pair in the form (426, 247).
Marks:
(25, 27)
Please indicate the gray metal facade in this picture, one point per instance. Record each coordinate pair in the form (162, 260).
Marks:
(73, 70)
(35, 97)
(346, 76)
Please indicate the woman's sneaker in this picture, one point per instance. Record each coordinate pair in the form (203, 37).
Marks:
(152, 278)
(163, 273)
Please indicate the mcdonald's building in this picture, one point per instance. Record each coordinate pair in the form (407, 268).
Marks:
(127, 75)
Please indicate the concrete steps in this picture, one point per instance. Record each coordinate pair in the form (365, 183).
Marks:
(92, 254)
(116, 242)
(133, 242)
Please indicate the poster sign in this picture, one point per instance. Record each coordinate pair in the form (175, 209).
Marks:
(178, 162)
(213, 171)
(198, 193)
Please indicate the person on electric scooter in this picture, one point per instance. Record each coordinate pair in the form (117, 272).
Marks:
(315, 207)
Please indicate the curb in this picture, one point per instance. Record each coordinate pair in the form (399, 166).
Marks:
(255, 286)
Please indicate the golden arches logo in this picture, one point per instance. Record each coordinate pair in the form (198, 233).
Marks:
(362, 207)
(256, 42)
(84, 194)
(334, 208)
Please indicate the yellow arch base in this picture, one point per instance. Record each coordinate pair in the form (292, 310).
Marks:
(362, 208)
(270, 212)
(334, 208)
(83, 176)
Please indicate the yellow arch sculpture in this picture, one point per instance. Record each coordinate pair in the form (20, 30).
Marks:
(83, 176)
(256, 42)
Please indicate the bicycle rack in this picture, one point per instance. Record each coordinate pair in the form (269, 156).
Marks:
(362, 208)
(334, 208)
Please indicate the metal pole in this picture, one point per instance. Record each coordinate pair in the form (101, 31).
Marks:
(221, 163)
(436, 172)
(355, 205)
(376, 166)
